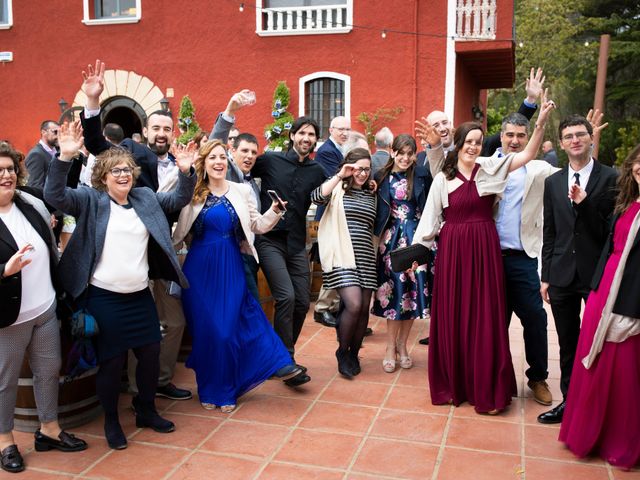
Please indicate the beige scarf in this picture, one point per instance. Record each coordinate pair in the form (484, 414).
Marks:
(613, 327)
(334, 241)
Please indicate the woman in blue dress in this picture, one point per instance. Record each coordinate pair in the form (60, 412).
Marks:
(234, 346)
(401, 297)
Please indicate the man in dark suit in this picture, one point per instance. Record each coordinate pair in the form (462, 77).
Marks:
(383, 140)
(39, 157)
(159, 172)
(329, 156)
(578, 202)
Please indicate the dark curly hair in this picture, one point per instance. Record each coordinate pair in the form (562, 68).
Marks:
(7, 151)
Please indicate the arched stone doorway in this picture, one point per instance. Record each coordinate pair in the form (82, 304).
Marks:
(126, 112)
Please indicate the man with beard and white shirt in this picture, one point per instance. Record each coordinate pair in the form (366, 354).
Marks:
(158, 172)
(39, 157)
(283, 258)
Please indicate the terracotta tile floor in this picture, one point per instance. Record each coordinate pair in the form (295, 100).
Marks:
(377, 426)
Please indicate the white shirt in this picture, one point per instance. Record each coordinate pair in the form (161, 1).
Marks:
(585, 173)
(37, 290)
(123, 266)
(165, 168)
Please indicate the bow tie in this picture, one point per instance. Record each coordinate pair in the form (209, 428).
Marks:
(247, 178)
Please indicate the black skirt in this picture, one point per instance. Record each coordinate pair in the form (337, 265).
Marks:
(125, 320)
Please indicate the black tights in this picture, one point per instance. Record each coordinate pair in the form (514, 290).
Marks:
(110, 373)
(353, 318)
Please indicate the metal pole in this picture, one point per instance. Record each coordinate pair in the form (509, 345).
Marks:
(601, 81)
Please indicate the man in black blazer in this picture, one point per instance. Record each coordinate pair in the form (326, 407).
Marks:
(39, 157)
(578, 203)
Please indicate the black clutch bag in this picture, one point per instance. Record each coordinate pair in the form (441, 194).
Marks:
(403, 258)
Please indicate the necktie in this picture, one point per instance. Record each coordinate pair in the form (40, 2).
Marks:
(577, 177)
(247, 178)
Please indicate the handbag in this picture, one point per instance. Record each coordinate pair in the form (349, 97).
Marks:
(402, 258)
(83, 324)
(174, 290)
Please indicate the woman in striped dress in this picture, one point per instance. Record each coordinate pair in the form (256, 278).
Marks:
(345, 241)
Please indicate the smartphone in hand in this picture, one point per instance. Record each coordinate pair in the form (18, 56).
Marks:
(276, 198)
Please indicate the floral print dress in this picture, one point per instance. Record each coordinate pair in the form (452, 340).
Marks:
(400, 296)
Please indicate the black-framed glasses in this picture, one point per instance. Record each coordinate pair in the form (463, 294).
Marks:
(116, 172)
(570, 136)
(8, 170)
(361, 170)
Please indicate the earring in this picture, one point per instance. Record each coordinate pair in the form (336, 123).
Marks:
(204, 177)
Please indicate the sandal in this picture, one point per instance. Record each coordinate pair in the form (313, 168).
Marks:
(227, 408)
(208, 406)
(389, 365)
(406, 362)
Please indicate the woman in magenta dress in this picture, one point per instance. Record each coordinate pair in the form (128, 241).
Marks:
(603, 410)
(469, 358)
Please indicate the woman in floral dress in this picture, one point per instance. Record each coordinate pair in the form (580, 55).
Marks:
(401, 297)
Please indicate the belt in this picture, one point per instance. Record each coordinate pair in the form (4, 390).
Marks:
(510, 252)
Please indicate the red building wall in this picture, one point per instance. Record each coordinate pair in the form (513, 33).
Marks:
(210, 50)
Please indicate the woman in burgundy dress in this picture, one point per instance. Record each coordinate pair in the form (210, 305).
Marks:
(469, 358)
(602, 414)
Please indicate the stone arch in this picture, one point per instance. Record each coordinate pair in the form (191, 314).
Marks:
(122, 83)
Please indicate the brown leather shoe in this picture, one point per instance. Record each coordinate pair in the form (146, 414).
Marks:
(541, 393)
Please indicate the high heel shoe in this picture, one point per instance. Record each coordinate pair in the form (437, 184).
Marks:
(227, 408)
(405, 361)
(344, 366)
(355, 363)
(114, 435)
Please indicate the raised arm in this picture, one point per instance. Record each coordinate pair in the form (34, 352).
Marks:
(435, 152)
(226, 119)
(93, 86)
(183, 193)
(56, 193)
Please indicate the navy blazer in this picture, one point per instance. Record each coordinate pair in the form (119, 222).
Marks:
(11, 286)
(329, 157)
(92, 208)
(628, 301)
(421, 184)
(573, 235)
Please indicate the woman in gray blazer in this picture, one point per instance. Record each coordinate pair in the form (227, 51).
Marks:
(120, 242)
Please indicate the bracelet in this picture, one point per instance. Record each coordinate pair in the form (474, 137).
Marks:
(337, 175)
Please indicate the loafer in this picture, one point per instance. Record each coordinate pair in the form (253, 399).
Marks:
(172, 392)
(554, 415)
(12, 461)
(288, 371)
(66, 442)
(541, 393)
(298, 380)
(325, 318)
(424, 341)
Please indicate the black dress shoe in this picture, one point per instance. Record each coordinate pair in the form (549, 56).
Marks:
(424, 341)
(12, 460)
(172, 392)
(554, 415)
(114, 435)
(66, 442)
(147, 416)
(302, 367)
(325, 318)
(288, 371)
(298, 380)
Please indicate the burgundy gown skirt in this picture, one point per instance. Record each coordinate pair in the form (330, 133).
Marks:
(603, 404)
(469, 357)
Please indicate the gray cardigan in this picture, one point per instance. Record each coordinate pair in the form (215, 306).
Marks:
(91, 208)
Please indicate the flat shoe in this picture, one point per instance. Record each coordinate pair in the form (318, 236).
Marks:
(227, 408)
(208, 406)
(12, 460)
(66, 442)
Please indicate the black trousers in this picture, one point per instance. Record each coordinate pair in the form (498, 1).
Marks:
(288, 278)
(566, 305)
(523, 298)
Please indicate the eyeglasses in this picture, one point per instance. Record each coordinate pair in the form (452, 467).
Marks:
(231, 138)
(360, 171)
(116, 172)
(8, 170)
(55, 132)
(570, 136)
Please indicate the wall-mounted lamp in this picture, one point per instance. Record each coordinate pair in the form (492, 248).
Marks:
(478, 114)
(164, 104)
(62, 103)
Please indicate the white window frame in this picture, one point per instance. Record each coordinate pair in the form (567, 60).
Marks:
(307, 31)
(9, 23)
(302, 98)
(88, 20)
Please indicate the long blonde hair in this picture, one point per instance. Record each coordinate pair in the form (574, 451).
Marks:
(201, 190)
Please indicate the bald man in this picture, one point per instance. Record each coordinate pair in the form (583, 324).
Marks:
(550, 153)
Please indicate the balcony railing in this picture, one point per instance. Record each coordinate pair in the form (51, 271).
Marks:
(476, 20)
(305, 20)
